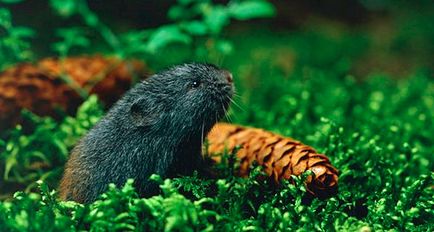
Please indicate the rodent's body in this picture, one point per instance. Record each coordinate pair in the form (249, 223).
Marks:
(157, 127)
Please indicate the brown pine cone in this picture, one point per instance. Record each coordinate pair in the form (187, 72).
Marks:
(280, 156)
(41, 89)
(108, 77)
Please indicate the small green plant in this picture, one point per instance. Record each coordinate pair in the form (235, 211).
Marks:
(14, 40)
(197, 24)
(39, 154)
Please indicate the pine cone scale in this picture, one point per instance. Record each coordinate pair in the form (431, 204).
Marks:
(280, 156)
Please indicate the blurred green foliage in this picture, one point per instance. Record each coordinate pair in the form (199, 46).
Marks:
(196, 24)
(14, 44)
(376, 129)
(194, 21)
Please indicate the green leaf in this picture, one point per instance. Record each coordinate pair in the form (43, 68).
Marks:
(176, 12)
(224, 46)
(64, 8)
(195, 27)
(71, 37)
(216, 18)
(22, 32)
(5, 18)
(91, 19)
(251, 9)
(166, 35)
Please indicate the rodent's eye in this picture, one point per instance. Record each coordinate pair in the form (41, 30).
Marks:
(195, 84)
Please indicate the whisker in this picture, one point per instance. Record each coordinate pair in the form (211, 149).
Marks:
(227, 116)
(237, 95)
(220, 59)
(215, 117)
(236, 104)
(225, 111)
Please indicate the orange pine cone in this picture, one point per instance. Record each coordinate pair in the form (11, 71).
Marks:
(280, 156)
(40, 88)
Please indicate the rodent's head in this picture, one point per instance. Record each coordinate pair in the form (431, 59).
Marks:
(189, 98)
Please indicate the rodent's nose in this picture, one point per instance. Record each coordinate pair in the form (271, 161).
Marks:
(228, 76)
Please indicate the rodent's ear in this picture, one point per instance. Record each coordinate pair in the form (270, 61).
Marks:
(142, 115)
